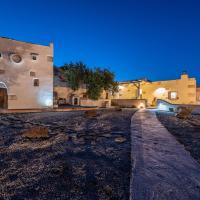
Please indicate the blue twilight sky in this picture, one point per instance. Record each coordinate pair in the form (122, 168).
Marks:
(157, 39)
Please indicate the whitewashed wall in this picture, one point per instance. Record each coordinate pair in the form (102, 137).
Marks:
(17, 75)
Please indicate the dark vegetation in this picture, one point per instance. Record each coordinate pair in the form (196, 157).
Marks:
(186, 131)
(96, 80)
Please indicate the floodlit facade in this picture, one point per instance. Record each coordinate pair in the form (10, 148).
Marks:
(26, 75)
(180, 91)
(198, 95)
(63, 94)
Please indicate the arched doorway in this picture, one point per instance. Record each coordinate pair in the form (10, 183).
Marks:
(3, 96)
(75, 101)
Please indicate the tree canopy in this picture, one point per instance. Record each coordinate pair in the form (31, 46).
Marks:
(96, 80)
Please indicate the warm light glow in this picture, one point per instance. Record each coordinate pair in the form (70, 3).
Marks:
(160, 92)
(173, 95)
(141, 106)
(121, 87)
(140, 92)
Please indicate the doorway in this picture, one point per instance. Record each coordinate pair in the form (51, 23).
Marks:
(75, 101)
(3, 98)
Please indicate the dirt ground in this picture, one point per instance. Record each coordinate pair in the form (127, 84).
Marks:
(82, 158)
(186, 132)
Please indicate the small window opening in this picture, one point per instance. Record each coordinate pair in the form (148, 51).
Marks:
(36, 82)
(49, 58)
(173, 95)
(2, 71)
(34, 56)
(32, 74)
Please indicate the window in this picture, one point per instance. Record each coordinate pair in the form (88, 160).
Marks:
(34, 56)
(1, 55)
(50, 58)
(36, 82)
(2, 71)
(16, 58)
(84, 95)
(32, 74)
(191, 86)
(173, 95)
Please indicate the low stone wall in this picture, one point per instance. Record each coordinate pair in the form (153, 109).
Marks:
(98, 103)
(166, 106)
(129, 103)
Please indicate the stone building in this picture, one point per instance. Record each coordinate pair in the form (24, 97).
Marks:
(180, 91)
(63, 94)
(198, 95)
(26, 75)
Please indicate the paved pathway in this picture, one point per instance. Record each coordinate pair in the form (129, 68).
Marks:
(161, 168)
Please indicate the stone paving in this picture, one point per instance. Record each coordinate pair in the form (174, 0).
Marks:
(161, 168)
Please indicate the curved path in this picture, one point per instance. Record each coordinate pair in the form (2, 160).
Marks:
(161, 168)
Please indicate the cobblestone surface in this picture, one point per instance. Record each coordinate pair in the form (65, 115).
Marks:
(161, 168)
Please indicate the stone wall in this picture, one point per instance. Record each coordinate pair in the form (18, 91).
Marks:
(129, 103)
(198, 94)
(98, 103)
(21, 64)
(166, 106)
(185, 88)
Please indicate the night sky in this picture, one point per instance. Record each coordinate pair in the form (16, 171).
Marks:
(134, 38)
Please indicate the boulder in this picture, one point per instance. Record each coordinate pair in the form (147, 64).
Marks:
(184, 112)
(90, 113)
(118, 108)
(36, 132)
(120, 139)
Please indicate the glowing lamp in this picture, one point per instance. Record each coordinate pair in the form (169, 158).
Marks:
(141, 106)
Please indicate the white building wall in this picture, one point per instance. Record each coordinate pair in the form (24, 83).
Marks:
(17, 77)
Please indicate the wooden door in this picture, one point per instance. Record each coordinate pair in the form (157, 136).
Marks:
(3, 98)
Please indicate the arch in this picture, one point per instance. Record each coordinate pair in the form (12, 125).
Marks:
(76, 101)
(3, 96)
(3, 85)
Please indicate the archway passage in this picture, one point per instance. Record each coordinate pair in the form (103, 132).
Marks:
(75, 101)
(3, 98)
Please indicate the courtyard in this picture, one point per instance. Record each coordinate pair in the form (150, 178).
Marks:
(114, 154)
(81, 158)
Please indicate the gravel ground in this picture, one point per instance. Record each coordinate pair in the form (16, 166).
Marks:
(186, 132)
(83, 158)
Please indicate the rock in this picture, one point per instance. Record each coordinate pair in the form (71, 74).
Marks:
(184, 112)
(36, 132)
(118, 108)
(108, 190)
(120, 139)
(90, 113)
(107, 135)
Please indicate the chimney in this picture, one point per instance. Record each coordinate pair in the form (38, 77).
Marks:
(184, 75)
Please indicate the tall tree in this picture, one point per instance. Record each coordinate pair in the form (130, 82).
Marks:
(96, 80)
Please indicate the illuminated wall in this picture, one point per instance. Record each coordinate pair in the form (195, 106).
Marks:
(27, 71)
(180, 91)
(198, 94)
